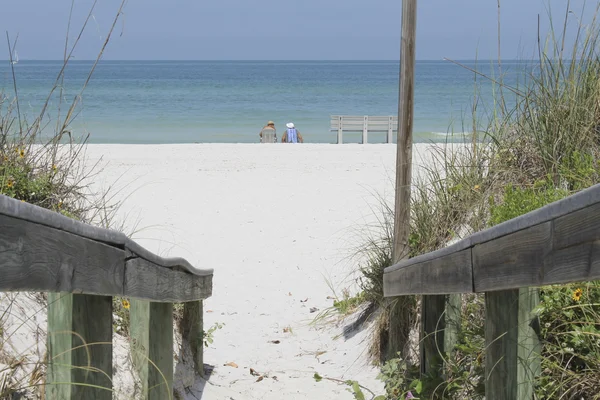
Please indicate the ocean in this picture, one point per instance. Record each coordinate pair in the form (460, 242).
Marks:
(230, 101)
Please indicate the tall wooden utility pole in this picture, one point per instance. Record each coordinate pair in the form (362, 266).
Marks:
(400, 313)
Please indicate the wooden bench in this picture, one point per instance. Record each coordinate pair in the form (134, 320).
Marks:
(364, 124)
(555, 244)
(83, 267)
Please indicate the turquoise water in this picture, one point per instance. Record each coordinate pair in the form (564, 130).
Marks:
(230, 101)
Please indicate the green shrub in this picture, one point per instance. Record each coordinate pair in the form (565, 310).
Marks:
(570, 328)
(518, 201)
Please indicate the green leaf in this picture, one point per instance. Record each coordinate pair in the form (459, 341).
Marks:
(358, 394)
(317, 377)
(419, 387)
(380, 397)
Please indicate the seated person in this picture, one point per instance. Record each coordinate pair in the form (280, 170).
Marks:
(268, 134)
(291, 134)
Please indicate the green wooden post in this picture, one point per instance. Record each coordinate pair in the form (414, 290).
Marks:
(453, 321)
(79, 347)
(512, 344)
(152, 346)
(439, 330)
(192, 332)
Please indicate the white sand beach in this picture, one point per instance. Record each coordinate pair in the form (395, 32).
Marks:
(277, 223)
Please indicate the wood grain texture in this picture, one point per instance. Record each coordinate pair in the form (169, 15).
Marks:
(28, 212)
(512, 344)
(38, 258)
(192, 332)
(59, 342)
(558, 243)
(441, 320)
(10, 207)
(581, 226)
(501, 337)
(453, 319)
(450, 274)
(152, 346)
(79, 347)
(432, 334)
(399, 319)
(145, 280)
(514, 260)
(576, 246)
(529, 347)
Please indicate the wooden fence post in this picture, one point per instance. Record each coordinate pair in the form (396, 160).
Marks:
(440, 324)
(365, 139)
(192, 331)
(400, 314)
(340, 139)
(512, 344)
(152, 346)
(79, 347)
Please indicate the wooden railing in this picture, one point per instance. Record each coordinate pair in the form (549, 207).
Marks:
(559, 243)
(364, 124)
(83, 267)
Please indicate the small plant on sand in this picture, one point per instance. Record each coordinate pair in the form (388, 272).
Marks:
(208, 335)
(357, 390)
(348, 304)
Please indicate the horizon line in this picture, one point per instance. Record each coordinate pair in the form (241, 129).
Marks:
(447, 59)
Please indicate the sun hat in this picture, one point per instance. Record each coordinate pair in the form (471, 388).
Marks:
(290, 124)
(270, 123)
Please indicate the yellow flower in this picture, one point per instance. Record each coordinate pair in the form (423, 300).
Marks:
(126, 304)
(476, 187)
(577, 294)
(54, 167)
(10, 183)
(20, 152)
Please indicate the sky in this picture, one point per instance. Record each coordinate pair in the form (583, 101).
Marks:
(278, 29)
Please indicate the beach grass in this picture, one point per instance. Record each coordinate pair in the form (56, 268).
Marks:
(47, 170)
(544, 149)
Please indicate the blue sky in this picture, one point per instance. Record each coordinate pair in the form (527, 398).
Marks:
(278, 29)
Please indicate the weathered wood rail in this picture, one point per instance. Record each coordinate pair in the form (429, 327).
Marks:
(559, 243)
(364, 124)
(83, 267)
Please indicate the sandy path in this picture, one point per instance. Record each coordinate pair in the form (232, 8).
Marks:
(272, 220)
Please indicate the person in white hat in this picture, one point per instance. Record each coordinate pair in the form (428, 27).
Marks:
(291, 134)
